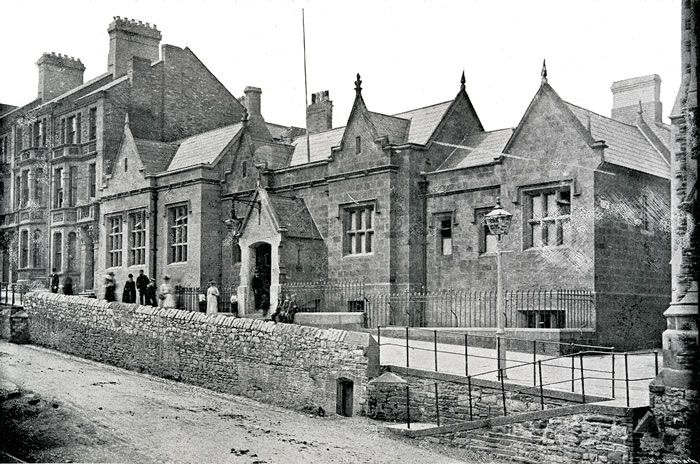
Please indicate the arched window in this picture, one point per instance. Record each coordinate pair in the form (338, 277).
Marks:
(72, 240)
(36, 249)
(24, 248)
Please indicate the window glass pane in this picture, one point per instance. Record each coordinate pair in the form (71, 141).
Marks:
(536, 207)
(446, 246)
(551, 204)
(358, 224)
(370, 214)
(369, 243)
(536, 235)
(567, 231)
(491, 241)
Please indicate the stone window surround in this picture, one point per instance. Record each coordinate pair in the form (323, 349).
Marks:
(177, 215)
(528, 193)
(344, 213)
(483, 231)
(437, 220)
(114, 228)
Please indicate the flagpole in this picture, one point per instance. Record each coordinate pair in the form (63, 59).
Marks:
(306, 91)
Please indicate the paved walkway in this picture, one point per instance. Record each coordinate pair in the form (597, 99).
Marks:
(556, 372)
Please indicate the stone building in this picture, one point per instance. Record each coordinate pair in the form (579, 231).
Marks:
(195, 184)
(57, 150)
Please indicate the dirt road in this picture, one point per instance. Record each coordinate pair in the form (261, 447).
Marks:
(84, 411)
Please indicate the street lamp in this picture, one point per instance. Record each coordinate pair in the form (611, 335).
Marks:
(498, 222)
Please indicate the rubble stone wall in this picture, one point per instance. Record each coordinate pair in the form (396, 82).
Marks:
(289, 365)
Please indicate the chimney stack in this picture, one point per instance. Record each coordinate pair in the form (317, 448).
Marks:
(252, 101)
(629, 92)
(319, 114)
(58, 74)
(129, 38)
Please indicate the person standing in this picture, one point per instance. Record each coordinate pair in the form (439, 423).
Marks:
(67, 286)
(212, 298)
(234, 304)
(141, 283)
(129, 293)
(151, 292)
(54, 281)
(110, 287)
(166, 295)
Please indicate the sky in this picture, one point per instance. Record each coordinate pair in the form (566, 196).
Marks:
(409, 53)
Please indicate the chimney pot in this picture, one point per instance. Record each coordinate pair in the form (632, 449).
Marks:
(319, 114)
(252, 101)
(129, 38)
(629, 93)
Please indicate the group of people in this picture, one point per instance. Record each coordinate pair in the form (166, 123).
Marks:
(54, 284)
(286, 309)
(149, 294)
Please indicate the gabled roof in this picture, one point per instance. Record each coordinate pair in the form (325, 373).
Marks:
(292, 214)
(424, 121)
(627, 145)
(393, 127)
(320, 143)
(155, 156)
(477, 149)
(203, 148)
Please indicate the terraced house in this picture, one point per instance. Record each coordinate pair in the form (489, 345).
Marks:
(195, 184)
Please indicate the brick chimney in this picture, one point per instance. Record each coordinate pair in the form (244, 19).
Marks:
(628, 93)
(129, 38)
(252, 101)
(58, 74)
(319, 114)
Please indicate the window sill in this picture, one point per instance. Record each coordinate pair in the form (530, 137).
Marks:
(546, 248)
(177, 263)
(488, 254)
(358, 255)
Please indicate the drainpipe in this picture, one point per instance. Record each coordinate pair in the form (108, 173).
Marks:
(154, 234)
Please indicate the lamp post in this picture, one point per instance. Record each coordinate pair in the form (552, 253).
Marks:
(498, 222)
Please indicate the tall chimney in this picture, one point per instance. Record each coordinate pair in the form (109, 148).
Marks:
(319, 114)
(58, 74)
(629, 92)
(129, 38)
(252, 101)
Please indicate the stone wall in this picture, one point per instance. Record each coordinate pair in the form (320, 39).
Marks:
(289, 365)
(387, 399)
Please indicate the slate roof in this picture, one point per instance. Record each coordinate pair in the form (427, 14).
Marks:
(155, 156)
(482, 148)
(203, 148)
(424, 121)
(321, 144)
(627, 145)
(293, 215)
(415, 126)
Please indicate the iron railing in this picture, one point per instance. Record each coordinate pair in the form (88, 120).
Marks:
(536, 309)
(12, 293)
(328, 296)
(187, 298)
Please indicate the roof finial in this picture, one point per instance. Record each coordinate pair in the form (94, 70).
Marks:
(544, 72)
(462, 81)
(358, 84)
(126, 120)
(641, 110)
(245, 115)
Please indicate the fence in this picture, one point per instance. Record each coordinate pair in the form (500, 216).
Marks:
(328, 296)
(596, 371)
(545, 309)
(12, 294)
(187, 298)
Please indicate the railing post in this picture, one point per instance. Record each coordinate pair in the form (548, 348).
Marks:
(583, 387)
(573, 373)
(539, 365)
(613, 375)
(627, 382)
(408, 407)
(656, 363)
(379, 345)
(534, 360)
(13, 294)
(469, 384)
(407, 363)
(503, 394)
(435, 349)
(466, 355)
(437, 405)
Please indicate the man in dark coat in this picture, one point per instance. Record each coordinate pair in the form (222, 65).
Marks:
(129, 293)
(68, 286)
(54, 281)
(151, 291)
(110, 287)
(141, 284)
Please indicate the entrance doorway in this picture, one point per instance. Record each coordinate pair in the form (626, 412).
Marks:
(343, 404)
(260, 283)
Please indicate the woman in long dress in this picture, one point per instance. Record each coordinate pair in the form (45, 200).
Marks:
(166, 294)
(212, 298)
